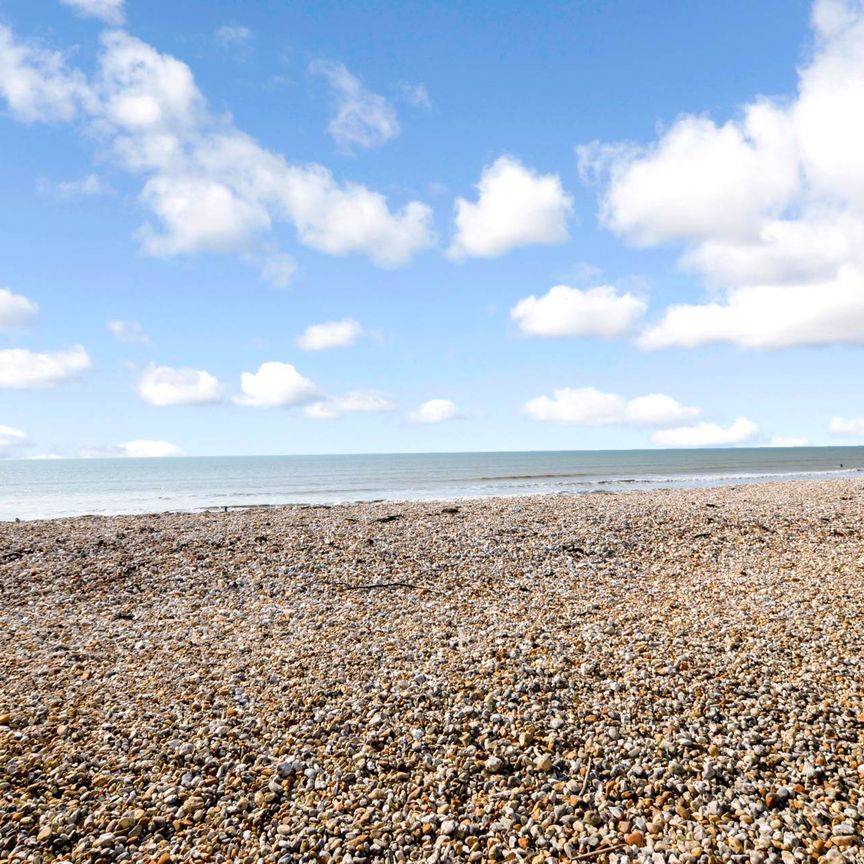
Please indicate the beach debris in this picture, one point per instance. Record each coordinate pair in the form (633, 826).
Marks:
(390, 517)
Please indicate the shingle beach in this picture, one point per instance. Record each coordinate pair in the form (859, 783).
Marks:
(671, 676)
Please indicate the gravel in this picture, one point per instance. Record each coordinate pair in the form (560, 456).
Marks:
(659, 677)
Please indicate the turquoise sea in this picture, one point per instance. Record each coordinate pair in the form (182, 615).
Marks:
(33, 489)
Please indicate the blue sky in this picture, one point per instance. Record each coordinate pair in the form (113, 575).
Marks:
(498, 225)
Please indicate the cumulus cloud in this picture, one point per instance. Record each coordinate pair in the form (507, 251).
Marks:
(16, 311)
(276, 385)
(130, 332)
(852, 428)
(741, 431)
(357, 401)
(566, 311)
(515, 207)
(147, 449)
(701, 179)
(363, 118)
(207, 186)
(11, 439)
(22, 369)
(197, 214)
(108, 11)
(769, 316)
(164, 386)
(330, 334)
(587, 406)
(768, 206)
(37, 84)
(435, 411)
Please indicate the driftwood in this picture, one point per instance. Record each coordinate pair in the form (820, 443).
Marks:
(585, 781)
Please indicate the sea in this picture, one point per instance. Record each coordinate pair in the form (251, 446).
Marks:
(51, 488)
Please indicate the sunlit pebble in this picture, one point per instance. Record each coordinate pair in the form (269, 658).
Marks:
(653, 677)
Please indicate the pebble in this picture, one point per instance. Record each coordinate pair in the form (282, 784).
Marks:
(670, 676)
(543, 763)
(494, 765)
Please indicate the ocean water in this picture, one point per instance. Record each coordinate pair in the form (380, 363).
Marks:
(72, 487)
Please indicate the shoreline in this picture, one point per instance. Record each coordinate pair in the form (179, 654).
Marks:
(622, 487)
(585, 677)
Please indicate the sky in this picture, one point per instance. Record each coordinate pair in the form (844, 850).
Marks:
(328, 227)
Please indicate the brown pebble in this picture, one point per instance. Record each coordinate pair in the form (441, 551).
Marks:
(635, 838)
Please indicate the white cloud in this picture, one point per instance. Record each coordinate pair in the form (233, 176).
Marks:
(148, 96)
(22, 369)
(829, 17)
(89, 186)
(11, 439)
(769, 206)
(130, 332)
(330, 334)
(853, 428)
(351, 218)
(164, 386)
(38, 84)
(208, 186)
(656, 409)
(233, 35)
(587, 406)
(515, 207)
(141, 448)
(785, 252)
(769, 316)
(275, 385)
(363, 118)
(146, 449)
(16, 310)
(199, 214)
(742, 431)
(357, 401)
(701, 179)
(435, 411)
(108, 11)
(565, 311)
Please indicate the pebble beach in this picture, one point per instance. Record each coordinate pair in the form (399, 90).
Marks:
(667, 676)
